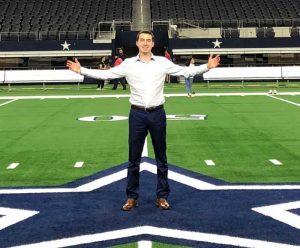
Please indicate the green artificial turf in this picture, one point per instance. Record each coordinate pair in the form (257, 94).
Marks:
(240, 135)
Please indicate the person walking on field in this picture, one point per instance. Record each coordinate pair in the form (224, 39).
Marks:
(189, 80)
(146, 74)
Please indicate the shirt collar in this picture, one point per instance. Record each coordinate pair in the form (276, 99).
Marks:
(137, 57)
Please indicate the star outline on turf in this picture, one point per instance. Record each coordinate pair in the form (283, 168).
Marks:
(149, 167)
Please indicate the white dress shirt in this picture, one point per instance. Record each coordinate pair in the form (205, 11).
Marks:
(146, 80)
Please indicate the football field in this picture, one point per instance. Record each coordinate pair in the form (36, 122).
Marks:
(234, 163)
(242, 133)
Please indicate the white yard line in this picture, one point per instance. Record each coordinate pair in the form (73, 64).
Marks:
(2, 104)
(128, 95)
(284, 100)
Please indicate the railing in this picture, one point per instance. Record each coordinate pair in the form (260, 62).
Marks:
(47, 35)
(107, 29)
(160, 25)
(234, 23)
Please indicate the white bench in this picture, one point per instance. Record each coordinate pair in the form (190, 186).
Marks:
(41, 76)
(291, 72)
(217, 74)
(1, 76)
(244, 73)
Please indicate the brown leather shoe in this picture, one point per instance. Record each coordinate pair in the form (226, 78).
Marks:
(130, 204)
(162, 204)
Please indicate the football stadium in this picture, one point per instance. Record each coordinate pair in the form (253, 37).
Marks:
(232, 134)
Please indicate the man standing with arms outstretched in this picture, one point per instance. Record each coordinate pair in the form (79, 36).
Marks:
(145, 74)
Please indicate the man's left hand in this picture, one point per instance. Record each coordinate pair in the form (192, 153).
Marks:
(213, 61)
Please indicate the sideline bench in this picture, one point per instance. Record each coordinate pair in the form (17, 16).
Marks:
(252, 73)
(217, 74)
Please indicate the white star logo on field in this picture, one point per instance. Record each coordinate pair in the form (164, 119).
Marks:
(65, 46)
(136, 227)
(217, 43)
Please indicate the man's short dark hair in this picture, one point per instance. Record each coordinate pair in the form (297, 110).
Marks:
(145, 32)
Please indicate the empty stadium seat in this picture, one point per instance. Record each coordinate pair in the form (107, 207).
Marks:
(69, 15)
(243, 13)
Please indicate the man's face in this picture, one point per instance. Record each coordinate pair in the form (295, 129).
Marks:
(145, 43)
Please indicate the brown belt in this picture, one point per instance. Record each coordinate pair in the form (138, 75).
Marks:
(150, 109)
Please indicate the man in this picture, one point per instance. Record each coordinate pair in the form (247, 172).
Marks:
(145, 74)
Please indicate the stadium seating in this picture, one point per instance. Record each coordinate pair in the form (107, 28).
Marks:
(228, 13)
(25, 19)
(32, 16)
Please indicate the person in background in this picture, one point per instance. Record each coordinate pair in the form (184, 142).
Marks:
(118, 61)
(146, 74)
(103, 65)
(168, 57)
(121, 54)
(189, 80)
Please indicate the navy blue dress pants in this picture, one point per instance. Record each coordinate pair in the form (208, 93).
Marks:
(140, 123)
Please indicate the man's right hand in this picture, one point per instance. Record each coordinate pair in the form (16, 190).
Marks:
(74, 65)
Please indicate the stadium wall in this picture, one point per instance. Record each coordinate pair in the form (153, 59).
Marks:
(216, 74)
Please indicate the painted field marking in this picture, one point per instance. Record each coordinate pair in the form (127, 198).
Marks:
(281, 99)
(12, 166)
(2, 104)
(127, 95)
(209, 162)
(11, 216)
(145, 149)
(79, 164)
(275, 162)
(210, 238)
(144, 244)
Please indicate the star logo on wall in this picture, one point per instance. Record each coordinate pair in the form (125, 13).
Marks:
(65, 46)
(217, 43)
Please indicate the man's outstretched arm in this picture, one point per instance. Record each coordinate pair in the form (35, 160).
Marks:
(112, 73)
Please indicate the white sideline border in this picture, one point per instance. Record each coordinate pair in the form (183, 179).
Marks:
(128, 95)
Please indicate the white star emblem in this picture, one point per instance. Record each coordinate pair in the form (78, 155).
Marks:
(65, 46)
(217, 43)
(279, 212)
